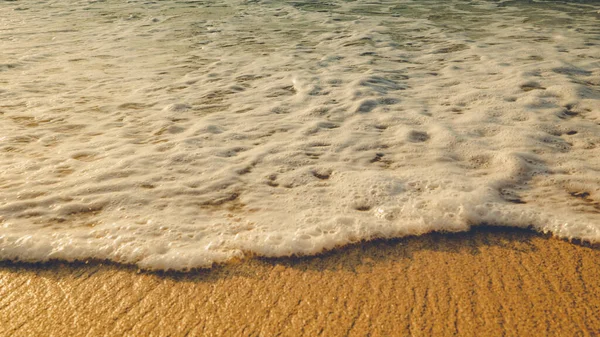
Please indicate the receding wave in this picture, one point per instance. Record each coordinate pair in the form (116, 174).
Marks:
(176, 134)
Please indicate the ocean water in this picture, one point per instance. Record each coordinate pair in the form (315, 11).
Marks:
(176, 134)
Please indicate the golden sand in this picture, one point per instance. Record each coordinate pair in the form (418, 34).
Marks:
(488, 282)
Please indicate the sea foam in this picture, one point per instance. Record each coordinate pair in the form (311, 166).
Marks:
(174, 135)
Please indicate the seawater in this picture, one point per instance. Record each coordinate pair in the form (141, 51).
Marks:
(176, 134)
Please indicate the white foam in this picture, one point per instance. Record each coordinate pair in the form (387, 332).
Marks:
(175, 135)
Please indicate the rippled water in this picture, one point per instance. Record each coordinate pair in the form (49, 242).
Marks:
(175, 134)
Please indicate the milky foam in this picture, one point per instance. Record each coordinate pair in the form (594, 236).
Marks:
(174, 135)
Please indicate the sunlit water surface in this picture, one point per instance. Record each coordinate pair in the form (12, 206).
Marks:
(175, 134)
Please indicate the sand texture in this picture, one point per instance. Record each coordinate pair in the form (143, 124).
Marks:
(488, 282)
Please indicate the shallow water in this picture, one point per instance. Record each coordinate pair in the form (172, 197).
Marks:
(175, 134)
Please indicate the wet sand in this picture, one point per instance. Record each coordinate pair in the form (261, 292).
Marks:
(487, 282)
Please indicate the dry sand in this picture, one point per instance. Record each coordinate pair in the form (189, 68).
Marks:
(488, 282)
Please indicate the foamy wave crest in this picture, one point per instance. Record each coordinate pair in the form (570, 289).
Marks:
(174, 135)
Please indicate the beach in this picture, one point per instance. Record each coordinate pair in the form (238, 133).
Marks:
(275, 167)
(490, 281)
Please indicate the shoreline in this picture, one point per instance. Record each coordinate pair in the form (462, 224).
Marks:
(489, 280)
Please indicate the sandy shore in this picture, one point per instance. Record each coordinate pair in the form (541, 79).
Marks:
(487, 282)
